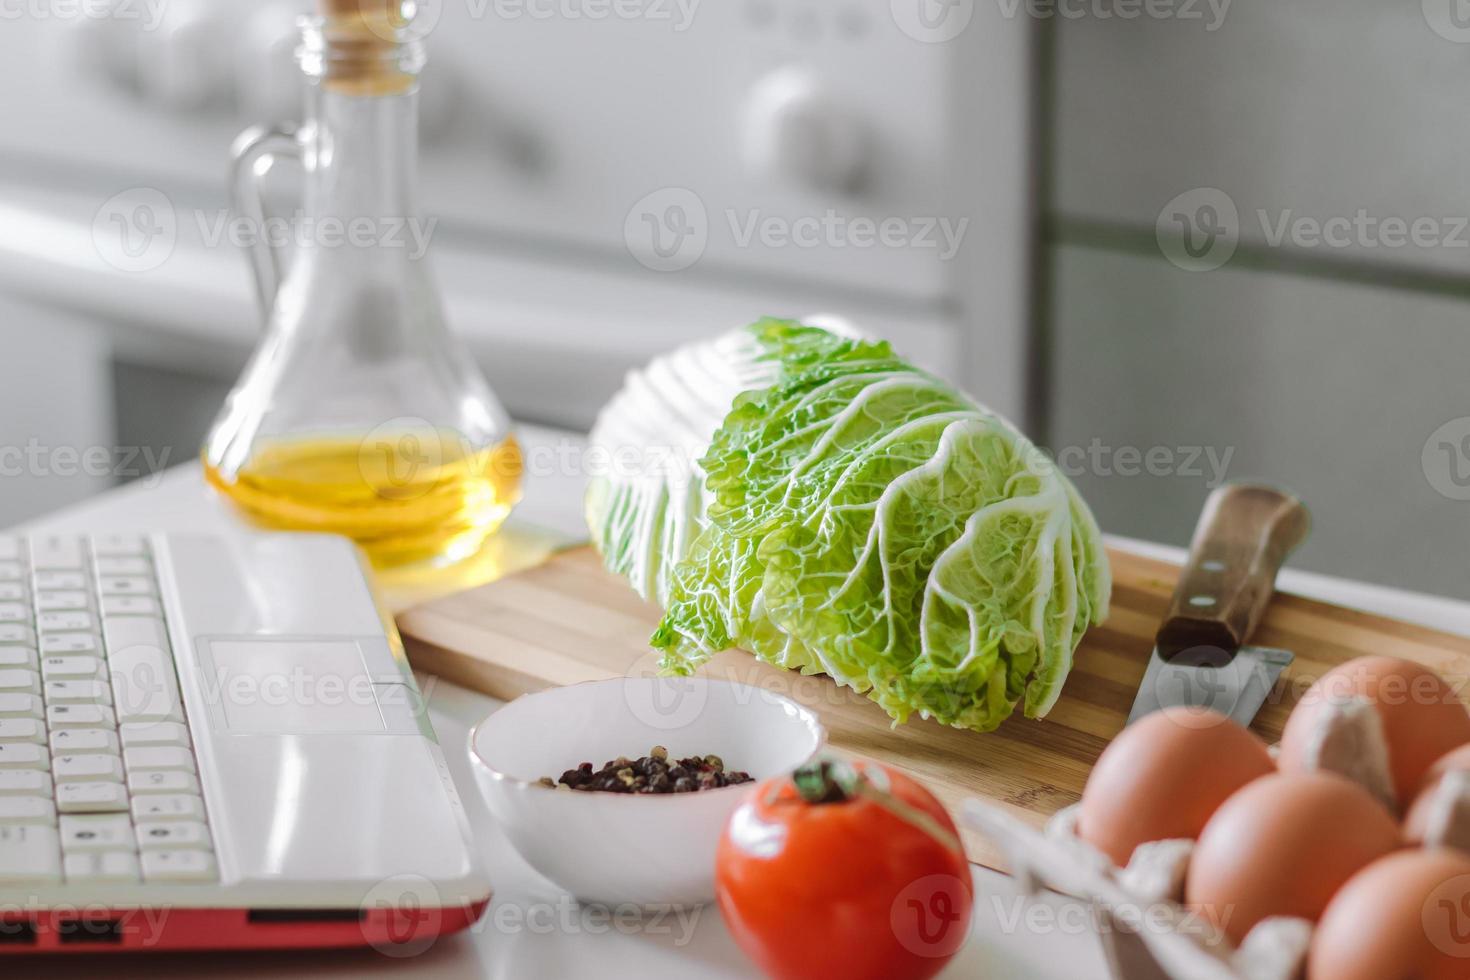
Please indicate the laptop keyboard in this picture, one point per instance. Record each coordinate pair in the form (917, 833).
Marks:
(98, 780)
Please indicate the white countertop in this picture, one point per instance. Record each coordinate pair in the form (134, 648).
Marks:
(531, 930)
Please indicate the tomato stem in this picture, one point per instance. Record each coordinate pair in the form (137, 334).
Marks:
(835, 781)
(826, 781)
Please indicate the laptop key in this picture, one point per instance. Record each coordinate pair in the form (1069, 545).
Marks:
(57, 551)
(22, 730)
(118, 565)
(27, 810)
(17, 634)
(73, 741)
(14, 705)
(65, 622)
(29, 854)
(167, 758)
(162, 781)
(24, 782)
(119, 545)
(20, 679)
(102, 867)
(78, 692)
(181, 866)
(79, 716)
(13, 592)
(183, 836)
(91, 798)
(24, 755)
(73, 667)
(166, 808)
(49, 579)
(15, 612)
(90, 767)
(124, 585)
(129, 605)
(18, 657)
(141, 733)
(124, 632)
(62, 601)
(85, 644)
(143, 684)
(96, 831)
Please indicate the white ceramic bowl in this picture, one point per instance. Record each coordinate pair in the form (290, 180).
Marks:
(617, 848)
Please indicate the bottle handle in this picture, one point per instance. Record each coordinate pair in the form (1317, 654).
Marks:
(253, 154)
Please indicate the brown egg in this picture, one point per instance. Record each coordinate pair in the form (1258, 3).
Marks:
(1422, 716)
(1163, 777)
(1404, 917)
(1416, 821)
(1282, 846)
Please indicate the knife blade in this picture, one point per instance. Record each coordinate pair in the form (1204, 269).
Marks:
(1200, 656)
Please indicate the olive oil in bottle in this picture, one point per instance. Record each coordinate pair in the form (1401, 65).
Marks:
(361, 413)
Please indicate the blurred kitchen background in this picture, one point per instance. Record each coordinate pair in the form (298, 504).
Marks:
(1132, 189)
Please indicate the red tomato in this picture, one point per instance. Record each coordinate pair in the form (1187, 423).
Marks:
(844, 870)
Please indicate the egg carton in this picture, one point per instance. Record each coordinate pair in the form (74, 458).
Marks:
(1147, 933)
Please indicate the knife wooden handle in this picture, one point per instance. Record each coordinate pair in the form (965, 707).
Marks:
(1241, 541)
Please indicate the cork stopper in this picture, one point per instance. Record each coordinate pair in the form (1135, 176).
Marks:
(362, 46)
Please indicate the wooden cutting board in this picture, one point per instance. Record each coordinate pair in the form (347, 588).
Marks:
(568, 621)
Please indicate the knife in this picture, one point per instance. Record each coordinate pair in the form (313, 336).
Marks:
(1200, 655)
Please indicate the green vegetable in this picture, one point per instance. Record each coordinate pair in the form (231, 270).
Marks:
(852, 515)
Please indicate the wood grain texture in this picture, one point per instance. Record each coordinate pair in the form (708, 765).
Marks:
(569, 621)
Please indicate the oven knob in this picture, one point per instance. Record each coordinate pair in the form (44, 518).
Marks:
(104, 46)
(796, 131)
(181, 62)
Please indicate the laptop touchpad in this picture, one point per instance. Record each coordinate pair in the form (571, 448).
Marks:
(290, 686)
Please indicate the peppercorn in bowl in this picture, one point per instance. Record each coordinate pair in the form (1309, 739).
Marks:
(617, 790)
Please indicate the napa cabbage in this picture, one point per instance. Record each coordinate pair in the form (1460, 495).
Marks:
(813, 498)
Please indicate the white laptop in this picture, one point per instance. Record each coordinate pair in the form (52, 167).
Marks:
(211, 742)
